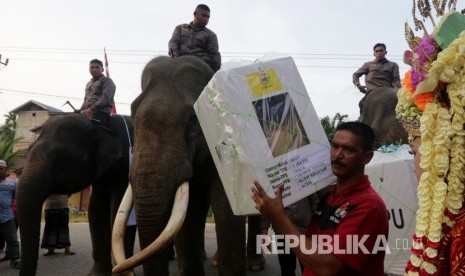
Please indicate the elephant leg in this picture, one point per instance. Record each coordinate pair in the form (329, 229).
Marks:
(255, 262)
(230, 234)
(190, 245)
(100, 232)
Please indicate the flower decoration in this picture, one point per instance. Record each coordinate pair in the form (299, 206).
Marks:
(431, 104)
(423, 99)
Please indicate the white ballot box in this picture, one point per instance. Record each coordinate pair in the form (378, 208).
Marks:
(259, 123)
(391, 175)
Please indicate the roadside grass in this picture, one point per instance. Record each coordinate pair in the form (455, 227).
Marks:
(73, 218)
(210, 216)
(78, 218)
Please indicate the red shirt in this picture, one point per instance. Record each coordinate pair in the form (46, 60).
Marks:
(350, 215)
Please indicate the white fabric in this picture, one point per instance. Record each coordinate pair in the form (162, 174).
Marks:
(391, 175)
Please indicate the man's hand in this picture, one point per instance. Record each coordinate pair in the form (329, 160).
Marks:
(89, 113)
(271, 208)
(362, 88)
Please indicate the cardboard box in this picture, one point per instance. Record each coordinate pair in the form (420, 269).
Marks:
(259, 123)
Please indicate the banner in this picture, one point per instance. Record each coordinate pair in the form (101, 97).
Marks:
(107, 73)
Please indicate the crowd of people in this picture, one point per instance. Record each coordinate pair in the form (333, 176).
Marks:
(8, 228)
(56, 230)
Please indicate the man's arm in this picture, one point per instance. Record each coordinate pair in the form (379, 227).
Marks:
(173, 44)
(395, 76)
(213, 52)
(108, 93)
(273, 209)
(356, 77)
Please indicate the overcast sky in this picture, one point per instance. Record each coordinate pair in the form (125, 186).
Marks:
(50, 42)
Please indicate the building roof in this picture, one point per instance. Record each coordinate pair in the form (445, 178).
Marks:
(35, 106)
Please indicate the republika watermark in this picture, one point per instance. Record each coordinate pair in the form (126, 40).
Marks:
(322, 244)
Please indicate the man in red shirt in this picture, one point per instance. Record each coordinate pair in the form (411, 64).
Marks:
(348, 233)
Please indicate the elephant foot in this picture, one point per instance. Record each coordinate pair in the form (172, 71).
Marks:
(256, 262)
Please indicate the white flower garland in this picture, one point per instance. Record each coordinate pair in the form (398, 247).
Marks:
(442, 132)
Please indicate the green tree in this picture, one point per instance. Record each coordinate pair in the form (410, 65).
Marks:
(6, 151)
(7, 140)
(330, 125)
(7, 130)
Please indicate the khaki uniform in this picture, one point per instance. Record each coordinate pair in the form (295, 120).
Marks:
(378, 73)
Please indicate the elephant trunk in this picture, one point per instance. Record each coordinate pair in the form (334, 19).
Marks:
(168, 234)
(29, 200)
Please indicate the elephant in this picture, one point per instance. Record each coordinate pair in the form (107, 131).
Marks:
(379, 113)
(70, 154)
(170, 149)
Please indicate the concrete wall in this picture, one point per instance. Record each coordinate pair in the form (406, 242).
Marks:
(25, 121)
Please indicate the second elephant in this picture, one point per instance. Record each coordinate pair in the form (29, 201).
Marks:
(379, 113)
(69, 155)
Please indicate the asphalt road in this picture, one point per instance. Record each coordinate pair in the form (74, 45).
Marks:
(80, 263)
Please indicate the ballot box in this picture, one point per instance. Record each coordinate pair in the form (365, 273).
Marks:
(259, 123)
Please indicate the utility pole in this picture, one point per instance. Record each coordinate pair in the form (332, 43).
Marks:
(3, 63)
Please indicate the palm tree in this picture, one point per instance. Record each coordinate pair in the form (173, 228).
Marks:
(6, 151)
(330, 125)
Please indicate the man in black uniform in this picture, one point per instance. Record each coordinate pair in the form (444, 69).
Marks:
(196, 40)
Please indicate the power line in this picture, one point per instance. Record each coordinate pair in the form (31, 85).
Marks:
(145, 62)
(164, 52)
(302, 56)
(46, 95)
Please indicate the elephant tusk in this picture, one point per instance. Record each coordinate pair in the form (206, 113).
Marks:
(119, 227)
(168, 234)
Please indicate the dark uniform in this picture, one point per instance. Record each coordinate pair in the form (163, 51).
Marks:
(100, 92)
(200, 42)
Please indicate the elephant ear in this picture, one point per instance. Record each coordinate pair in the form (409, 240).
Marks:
(107, 152)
